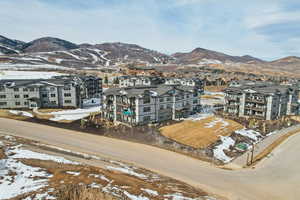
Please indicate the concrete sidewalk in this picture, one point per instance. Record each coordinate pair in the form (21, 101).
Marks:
(261, 146)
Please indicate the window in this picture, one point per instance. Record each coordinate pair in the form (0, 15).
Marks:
(147, 118)
(195, 101)
(67, 94)
(52, 88)
(53, 102)
(2, 96)
(161, 99)
(31, 89)
(25, 89)
(187, 96)
(25, 96)
(147, 109)
(44, 95)
(161, 107)
(53, 95)
(2, 89)
(195, 94)
(3, 103)
(17, 96)
(146, 100)
(68, 101)
(25, 103)
(168, 98)
(18, 103)
(16, 89)
(67, 88)
(169, 106)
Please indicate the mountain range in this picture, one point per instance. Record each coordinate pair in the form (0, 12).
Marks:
(61, 53)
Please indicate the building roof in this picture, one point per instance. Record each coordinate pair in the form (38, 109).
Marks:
(141, 90)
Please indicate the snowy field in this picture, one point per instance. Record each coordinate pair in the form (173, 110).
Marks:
(21, 113)
(5, 75)
(22, 172)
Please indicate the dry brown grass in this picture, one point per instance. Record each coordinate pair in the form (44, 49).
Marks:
(77, 192)
(215, 96)
(2, 154)
(214, 88)
(49, 110)
(196, 133)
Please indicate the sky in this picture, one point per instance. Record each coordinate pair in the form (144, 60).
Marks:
(267, 29)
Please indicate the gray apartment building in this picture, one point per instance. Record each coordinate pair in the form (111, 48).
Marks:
(261, 100)
(149, 104)
(58, 92)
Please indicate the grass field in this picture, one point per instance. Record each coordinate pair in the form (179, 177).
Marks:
(202, 133)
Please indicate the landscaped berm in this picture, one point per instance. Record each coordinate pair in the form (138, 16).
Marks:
(200, 133)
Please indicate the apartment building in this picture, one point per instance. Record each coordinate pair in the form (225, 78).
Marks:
(132, 81)
(149, 104)
(192, 82)
(261, 100)
(58, 92)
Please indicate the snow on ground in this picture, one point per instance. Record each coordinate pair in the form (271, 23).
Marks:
(198, 116)
(134, 197)
(27, 154)
(4, 75)
(73, 173)
(151, 192)
(127, 170)
(72, 115)
(215, 122)
(219, 149)
(12, 66)
(19, 178)
(22, 113)
(254, 135)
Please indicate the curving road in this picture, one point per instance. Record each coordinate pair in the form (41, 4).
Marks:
(276, 178)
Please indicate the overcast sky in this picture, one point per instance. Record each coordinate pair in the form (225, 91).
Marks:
(267, 29)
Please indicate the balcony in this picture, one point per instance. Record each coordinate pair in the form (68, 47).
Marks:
(255, 100)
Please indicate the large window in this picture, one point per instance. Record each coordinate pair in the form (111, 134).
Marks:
(147, 109)
(53, 95)
(25, 89)
(16, 89)
(146, 100)
(2, 89)
(68, 101)
(67, 94)
(18, 103)
(3, 103)
(31, 89)
(17, 96)
(2, 96)
(44, 95)
(161, 99)
(25, 95)
(147, 118)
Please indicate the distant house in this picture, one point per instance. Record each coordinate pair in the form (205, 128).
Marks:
(58, 92)
(261, 100)
(149, 104)
(131, 81)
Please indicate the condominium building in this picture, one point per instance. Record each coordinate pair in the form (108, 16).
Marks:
(149, 104)
(132, 81)
(261, 100)
(58, 92)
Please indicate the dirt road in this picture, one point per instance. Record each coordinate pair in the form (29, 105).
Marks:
(276, 178)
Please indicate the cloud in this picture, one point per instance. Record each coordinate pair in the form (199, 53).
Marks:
(266, 29)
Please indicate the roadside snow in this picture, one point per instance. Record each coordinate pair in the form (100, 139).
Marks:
(22, 113)
(72, 115)
(27, 154)
(219, 150)
(134, 197)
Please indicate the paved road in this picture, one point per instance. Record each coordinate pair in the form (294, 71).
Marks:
(261, 146)
(277, 178)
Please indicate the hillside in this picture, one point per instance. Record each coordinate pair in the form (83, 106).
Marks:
(203, 56)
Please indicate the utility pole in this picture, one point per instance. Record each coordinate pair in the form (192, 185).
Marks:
(252, 154)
